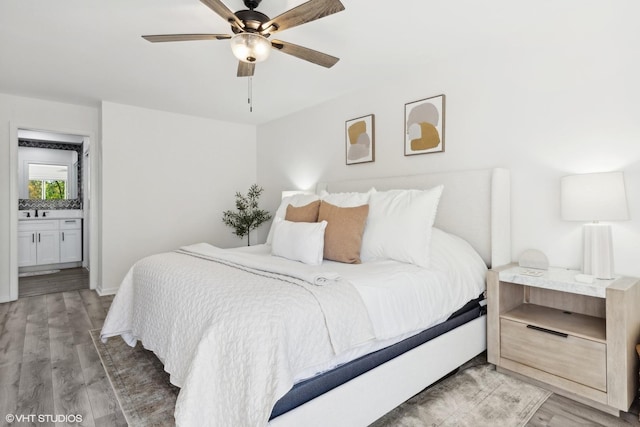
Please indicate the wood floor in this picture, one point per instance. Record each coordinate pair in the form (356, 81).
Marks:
(559, 411)
(49, 366)
(69, 279)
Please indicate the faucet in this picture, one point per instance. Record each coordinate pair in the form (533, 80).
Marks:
(36, 215)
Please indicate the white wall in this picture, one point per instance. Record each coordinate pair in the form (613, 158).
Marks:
(166, 178)
(36, 114)
(543, 104)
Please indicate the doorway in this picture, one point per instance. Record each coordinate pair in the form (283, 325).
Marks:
(64, 212)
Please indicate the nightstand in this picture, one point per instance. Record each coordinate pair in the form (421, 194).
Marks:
(575, 339)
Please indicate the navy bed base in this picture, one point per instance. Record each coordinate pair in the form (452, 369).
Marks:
(311, 388)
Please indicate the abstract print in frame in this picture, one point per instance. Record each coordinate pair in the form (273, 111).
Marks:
(424, 126)
(359, 140)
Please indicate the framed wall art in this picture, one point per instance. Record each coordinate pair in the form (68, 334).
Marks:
(424, 126)
(360, 140)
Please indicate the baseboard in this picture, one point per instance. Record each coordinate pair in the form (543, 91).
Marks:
(104, 292)
(59, 266)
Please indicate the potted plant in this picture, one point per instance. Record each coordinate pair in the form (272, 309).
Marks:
(247, 216)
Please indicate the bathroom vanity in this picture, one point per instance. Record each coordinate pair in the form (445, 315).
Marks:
(54, 240)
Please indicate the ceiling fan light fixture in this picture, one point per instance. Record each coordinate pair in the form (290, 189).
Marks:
(250, 47)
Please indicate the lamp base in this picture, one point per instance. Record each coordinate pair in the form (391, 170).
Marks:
(598, 251)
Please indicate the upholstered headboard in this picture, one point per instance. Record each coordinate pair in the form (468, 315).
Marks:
(475, 205)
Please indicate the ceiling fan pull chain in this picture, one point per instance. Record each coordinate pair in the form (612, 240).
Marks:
(250, 100)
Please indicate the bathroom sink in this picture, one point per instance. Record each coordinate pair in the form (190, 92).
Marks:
(49, 214)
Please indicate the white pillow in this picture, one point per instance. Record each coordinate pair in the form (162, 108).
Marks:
(299, 241)
(399, 225)
(457, 258)
(347, 200)
(296, 200)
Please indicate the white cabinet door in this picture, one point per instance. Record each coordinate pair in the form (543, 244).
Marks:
(48, 247)
(71, 245)
(27, 248)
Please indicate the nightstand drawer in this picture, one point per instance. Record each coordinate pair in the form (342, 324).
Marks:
(576, 359)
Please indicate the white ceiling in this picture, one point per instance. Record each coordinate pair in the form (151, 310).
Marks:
(85, 51)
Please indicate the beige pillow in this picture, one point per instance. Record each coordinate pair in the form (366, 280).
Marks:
(343, 235)
(306, 213)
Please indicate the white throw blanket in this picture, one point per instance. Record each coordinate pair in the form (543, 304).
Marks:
(233, 334)
(277, 265)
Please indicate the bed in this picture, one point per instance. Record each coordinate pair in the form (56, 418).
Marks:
(474, 206)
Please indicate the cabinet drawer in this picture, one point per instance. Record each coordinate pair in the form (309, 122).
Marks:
(70, 224)
(576, 359)
(37, 225)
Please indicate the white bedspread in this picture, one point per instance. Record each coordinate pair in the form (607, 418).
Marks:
(191, 312)
(233, 338)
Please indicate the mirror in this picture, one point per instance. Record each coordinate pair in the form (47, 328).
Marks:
(47, 174)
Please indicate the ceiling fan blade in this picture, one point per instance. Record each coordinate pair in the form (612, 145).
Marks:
(306, 12)
(305, 53)
(218, 7)
(184, 37)
(246, 69)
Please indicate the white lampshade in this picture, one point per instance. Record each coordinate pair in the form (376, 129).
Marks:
(595, 197)
(250, 47)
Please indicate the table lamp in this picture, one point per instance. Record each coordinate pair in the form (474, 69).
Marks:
(595, 197)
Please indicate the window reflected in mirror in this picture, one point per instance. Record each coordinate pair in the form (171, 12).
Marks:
(48, 182)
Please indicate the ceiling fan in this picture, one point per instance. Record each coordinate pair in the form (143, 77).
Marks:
(252, 29)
